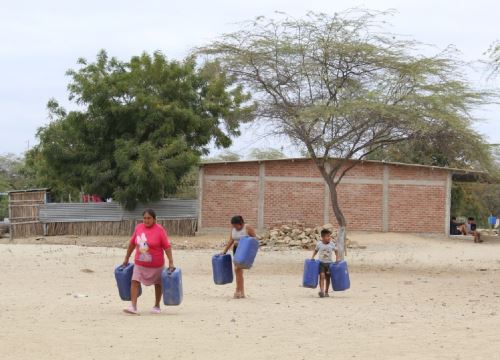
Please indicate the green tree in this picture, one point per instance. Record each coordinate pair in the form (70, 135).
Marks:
(494, 58)
(225, 156)
(341, 88)
(457, 145)
(141, 126)
(11, 178)
(266, 154)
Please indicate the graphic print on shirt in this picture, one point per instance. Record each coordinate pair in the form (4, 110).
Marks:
(144, 255)
(325, 251)
(325, 255)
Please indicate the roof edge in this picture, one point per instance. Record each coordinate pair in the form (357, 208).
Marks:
(28, 190)
(451, 169)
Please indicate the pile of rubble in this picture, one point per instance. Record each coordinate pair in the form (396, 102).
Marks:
(295, 235)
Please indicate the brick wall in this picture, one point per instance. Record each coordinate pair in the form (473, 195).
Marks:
(293, 201)
(361, 205)
(373, 196)
(416, 208)
(223, 199)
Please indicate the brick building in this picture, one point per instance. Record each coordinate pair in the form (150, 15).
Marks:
(374, 195)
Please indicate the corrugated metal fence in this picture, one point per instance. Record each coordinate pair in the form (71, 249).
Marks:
(178, 216)
(81, 212)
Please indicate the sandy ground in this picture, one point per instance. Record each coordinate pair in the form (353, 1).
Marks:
(411, 298)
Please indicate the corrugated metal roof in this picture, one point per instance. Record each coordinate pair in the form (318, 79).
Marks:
(454, 170)
(79, 212)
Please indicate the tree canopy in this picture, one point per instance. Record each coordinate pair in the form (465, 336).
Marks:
(140, 126)
(11, 178)
(457, 145)
(266, 154)
(342, 88)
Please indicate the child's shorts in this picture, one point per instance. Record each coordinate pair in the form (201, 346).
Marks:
(324, 268)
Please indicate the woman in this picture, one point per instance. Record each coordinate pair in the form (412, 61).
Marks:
(238, 229)
(149, 241)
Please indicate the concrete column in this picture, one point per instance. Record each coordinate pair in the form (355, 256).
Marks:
(447, 208)
(261, 196)
(200, 196)
(385, 199)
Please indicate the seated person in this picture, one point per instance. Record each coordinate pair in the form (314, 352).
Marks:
(456, 228)
(471, 229)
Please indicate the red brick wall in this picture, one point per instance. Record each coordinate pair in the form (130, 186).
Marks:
(288, 201)
(366, 170)
(416, 208)
(416, 173)
(223, 199)
(361, 205)
(297, 168)
(240, 169)
(411, 207)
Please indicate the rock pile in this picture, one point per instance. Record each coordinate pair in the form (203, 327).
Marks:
(295, 235)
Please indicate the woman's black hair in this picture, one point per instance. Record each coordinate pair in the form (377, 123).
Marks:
(151, 212)
(237, 220)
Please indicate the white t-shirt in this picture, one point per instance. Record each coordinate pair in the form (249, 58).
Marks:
(325, 251)
(236, 235)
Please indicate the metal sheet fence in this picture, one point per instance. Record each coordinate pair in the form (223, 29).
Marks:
(87, 212)
(179, 216)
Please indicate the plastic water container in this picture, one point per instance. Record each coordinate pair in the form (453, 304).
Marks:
(123, 276)
(340, 276)
(172, 287)
(246, 252)
(222, 269)
(311, 273)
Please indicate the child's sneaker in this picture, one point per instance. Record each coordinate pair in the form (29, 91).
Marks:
(327, 295)
(321, 294)
(156, 310)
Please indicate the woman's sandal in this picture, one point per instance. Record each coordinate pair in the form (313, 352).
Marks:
(156, 310)
(130, 310)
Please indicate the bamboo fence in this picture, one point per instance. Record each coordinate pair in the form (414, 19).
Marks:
(24, 209)
(183, 227)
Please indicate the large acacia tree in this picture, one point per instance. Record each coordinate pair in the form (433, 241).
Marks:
(341, 88)
(140, 125)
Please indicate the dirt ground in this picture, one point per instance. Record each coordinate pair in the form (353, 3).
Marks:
(411, 297)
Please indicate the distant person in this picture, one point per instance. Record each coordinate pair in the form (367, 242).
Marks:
(471, 229)
(456, 228)
(325, 249)
(238, 230)
(150, 241)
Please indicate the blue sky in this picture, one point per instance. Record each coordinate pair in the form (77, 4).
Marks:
(40, 40)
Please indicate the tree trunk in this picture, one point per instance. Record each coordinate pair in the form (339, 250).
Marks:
(339, 216)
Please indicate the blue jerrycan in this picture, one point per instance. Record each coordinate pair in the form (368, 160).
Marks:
(171, 282)
(222, 269)
(340, 276)
(123, 276)
(246, 252)
(311, 273)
